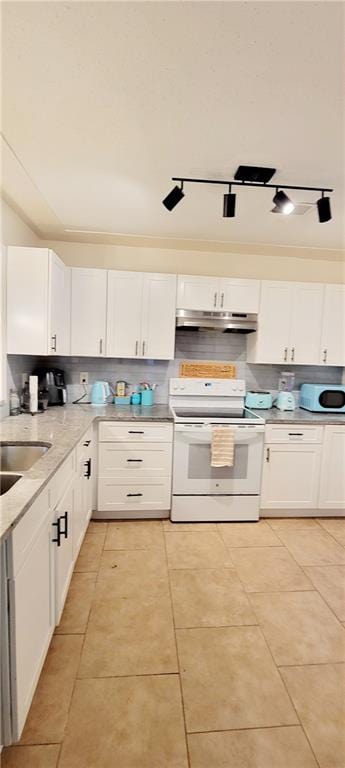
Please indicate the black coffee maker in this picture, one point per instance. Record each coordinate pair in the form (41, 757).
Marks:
(52, 380)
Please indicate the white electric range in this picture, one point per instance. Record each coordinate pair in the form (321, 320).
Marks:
(201, 492)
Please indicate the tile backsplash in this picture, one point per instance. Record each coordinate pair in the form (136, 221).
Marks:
(190, 345)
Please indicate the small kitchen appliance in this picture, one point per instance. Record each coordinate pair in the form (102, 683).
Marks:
(202, 492)
(52, 381)
(285, 401)
(329, 398)
(258, 399)
(100, 392)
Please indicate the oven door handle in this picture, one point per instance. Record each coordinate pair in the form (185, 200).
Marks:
(200, 436)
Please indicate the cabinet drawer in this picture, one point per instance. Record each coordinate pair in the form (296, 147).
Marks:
(137, 431)
(139, 494)
(25, 533)
(293, 433)
(120, 459)
(61, 479)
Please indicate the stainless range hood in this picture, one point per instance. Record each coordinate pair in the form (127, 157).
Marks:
(227, 322)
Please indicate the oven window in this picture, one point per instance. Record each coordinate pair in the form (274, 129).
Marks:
(199, 464)
(332, 398)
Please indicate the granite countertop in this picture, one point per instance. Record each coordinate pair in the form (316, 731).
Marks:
(63, 428)
(299, 416)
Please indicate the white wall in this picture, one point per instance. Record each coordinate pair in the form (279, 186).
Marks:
(264, 266)
(14, 231)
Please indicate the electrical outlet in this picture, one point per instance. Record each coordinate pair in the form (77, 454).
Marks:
(84, 378)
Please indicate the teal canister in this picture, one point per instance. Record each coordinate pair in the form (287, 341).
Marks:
(136, 398)
(147, 397)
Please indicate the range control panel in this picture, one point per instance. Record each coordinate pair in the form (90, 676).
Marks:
(208, 387)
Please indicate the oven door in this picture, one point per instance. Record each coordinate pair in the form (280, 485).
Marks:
(193, 473)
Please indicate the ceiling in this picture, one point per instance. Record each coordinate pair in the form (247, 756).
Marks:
(104, 101)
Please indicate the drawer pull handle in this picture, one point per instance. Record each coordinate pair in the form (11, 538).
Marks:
(136, 432)
(267, 455)
(134, 494)
(87, 442)
(87, 465)
(58, 532)
(54, 339)
(134, 459)
(295, 434)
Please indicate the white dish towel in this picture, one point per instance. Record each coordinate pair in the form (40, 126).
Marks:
(222, 447)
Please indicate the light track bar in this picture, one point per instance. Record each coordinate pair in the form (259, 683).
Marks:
(182, 179)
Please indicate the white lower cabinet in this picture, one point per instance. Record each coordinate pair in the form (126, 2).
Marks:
(134, 469)
(41, 556)
(290, 476)
(304, 468)
(63, 541)
(83, 491)
(31, 605)
(332, 479)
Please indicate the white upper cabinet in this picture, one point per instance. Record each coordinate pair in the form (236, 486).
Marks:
(195, 292)
(125, 290)
(158, 317)
(289, 324)
(270, 343)
(236, 295)
(209, 294)
(333, 327)
(306, 322)
(88, 312)
(37, 302)
(141, 315)
(59, 292)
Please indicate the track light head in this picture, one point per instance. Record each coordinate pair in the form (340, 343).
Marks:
(229, 205)
(324, 208)
(173, 197)
(283, 202)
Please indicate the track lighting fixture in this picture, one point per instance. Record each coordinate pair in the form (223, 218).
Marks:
(252, 176)
(174, 197)
(282, 202)
(229, 204)
(324, 208)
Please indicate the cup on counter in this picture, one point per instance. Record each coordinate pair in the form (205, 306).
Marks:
(147, 397)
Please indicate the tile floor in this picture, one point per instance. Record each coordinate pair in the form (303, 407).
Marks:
(196, 646)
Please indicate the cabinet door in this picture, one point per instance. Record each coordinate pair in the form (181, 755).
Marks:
(88, 311)
(290, 476)
(333, 326)
(27, 301)
(31, 621)
(124, 313)
(59, 304)
(64, 553)
(237, 295)
(195, 292)
(158, 317)
(332, 481)
(83, 493)
(270, 343)
(306, 319)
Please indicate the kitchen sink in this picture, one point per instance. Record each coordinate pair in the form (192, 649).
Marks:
(20, 457)
(7, 481)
